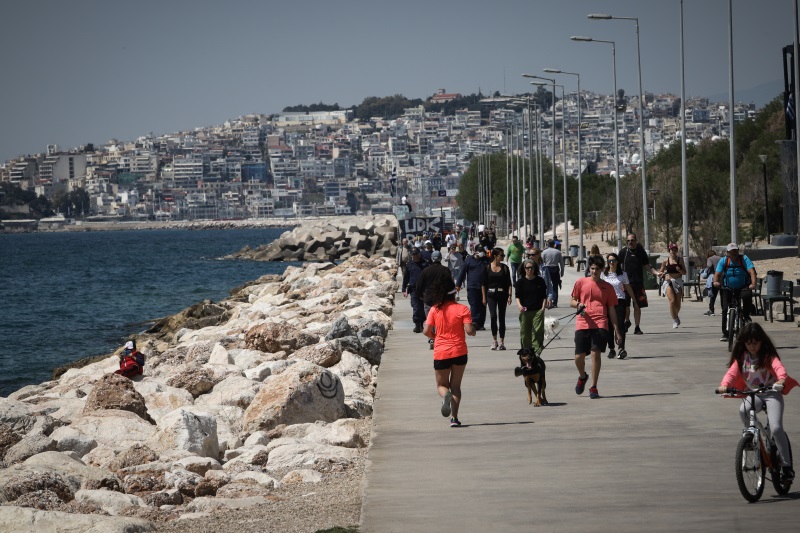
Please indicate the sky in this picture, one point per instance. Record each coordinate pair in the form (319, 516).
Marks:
(86, 71)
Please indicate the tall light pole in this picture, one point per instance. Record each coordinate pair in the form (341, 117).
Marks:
(580, 163)
(616, 128)
(766, 198)
(684, 179)
(553, 160)
(734, 213)
(641, 123)
(563, 163)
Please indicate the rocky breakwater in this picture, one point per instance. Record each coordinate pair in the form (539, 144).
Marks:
(241, 401)
(330, 239)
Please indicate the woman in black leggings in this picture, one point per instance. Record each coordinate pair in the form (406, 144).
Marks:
(497, 295)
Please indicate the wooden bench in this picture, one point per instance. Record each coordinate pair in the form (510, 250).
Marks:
(785, 297)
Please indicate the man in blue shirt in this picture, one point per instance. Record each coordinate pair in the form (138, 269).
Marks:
(474, 271)
(735, 272)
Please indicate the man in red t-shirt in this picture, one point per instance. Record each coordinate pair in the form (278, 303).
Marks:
(595, 301)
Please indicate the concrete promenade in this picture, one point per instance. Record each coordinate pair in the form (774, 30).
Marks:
(654, 453)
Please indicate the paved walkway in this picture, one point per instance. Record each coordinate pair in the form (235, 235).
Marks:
(654, 453)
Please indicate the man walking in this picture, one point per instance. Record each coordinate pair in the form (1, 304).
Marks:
(515, 252)
(474, 272)
(595, 300)
(403, 255)
(553, 261)
(432, 277)
(634, 262)
(410, 276)
(735, 272)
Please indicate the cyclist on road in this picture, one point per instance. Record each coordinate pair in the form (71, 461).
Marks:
(735, 272)
(755, 363)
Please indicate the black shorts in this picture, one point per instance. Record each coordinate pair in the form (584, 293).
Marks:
(590, 340)
(444, 364)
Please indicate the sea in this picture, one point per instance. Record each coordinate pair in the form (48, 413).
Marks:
(69, 295)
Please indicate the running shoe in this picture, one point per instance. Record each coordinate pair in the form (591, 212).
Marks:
(675, 323)
(724, 339)
(709, 313)
(501, 347)
(622, 354)
(678, 320)
(494, 345)
(593, 394)
(581, 384)
(638, 331)
(454, 423)
(446, 404)
(612, 353)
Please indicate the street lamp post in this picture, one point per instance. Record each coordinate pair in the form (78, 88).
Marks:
(580, 163)
(641, 121)
(553, 143)
(766, 200)
(616, 128)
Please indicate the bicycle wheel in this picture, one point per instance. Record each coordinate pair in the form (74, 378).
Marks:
(781, 486)
(749, 477)
(732, 318)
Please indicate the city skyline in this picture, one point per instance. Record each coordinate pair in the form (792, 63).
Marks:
(88, 71)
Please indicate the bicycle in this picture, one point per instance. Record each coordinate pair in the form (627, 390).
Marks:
(751, 466)
(735, 318)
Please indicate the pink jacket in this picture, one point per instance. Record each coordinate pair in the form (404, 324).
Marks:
(734, 378)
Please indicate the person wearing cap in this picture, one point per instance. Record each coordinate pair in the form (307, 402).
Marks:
(473, 272)
(634, 261)
(735, 272)
(431, 278)
(131, 361)
(672, 270)
(515, 252)
(554, 262)
(410, 276)
(426, 251)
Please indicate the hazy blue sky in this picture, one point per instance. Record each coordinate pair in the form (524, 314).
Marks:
(86, 71)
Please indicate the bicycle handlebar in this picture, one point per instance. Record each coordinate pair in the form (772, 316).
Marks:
(731, 390)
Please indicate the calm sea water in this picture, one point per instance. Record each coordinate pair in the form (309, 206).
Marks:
(65, 296)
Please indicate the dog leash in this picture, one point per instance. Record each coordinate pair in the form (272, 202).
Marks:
(573, 315)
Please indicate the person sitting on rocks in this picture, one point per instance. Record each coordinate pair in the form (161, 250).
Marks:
(131, 361)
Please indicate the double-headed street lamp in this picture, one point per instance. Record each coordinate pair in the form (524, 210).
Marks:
(580, 163)
(641, 122)
(616, 129)
(553, 161)
(564, 163)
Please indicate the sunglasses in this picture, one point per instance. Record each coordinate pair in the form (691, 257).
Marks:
(528, 268)
(611, 261)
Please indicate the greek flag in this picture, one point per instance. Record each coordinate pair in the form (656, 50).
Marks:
(790, 113)
(393, 180)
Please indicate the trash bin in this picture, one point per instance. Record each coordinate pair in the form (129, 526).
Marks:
(773, 281)
(650, 281)
(573, 250)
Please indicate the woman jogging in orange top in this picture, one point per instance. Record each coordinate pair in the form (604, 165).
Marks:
(447, 324)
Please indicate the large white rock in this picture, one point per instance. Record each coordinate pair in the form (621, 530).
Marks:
(206, 504)
(265, 480)
(27, 520)
(70, 439)
(343, 432)
(220, 356)
(160, 398)
(310, 455)
(182, 429)
(114, 503)
(304, 392)
(114, 428)
(75, 472)
(233, 390)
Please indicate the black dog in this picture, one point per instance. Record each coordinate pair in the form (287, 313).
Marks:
(532, 368)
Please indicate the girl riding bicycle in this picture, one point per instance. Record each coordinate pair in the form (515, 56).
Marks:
(754, 363)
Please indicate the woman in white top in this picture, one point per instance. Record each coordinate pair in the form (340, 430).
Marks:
(617, 278)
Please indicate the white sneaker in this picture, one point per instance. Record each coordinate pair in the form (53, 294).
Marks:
(675, 323)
